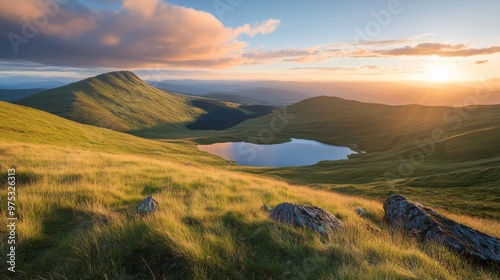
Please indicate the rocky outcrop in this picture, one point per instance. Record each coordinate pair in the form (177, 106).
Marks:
(428, 225)
(148, 205)
(315, 218)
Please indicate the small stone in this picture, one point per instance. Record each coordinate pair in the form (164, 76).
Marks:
(148, 205)
(361, 212)
(315, 218)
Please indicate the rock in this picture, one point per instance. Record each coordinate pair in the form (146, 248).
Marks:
(361, 212)
(428, 225)
(315, 218)
(148, 205)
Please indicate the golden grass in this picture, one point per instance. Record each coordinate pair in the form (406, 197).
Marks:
(78, 220)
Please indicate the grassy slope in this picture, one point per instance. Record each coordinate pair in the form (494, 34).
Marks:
(117, 100)
(463, 170)
(377, 127)
(78, 187)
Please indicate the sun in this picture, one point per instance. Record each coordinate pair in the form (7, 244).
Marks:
(441, 74)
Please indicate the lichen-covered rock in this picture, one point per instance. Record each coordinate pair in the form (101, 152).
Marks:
(315, 218)
(429, 225)
(148, 205)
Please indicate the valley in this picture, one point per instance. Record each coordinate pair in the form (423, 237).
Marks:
(80, 176)
(273, 140)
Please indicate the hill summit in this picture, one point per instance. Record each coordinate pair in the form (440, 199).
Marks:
(117, 100)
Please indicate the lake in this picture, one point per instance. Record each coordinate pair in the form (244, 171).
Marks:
(297, 152)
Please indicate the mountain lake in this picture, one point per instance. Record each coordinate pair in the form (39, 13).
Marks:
(297, 152)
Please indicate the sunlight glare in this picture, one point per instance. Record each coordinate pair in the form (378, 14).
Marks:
(441, 74)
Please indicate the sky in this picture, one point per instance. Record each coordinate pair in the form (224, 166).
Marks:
(337, 40)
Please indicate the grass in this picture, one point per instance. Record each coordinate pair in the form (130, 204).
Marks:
(78, 187)
(77, 217)
(460, 174)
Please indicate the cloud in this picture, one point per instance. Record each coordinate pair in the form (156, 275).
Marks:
(438, 49)
(371, 67)
(142, 33)
(340, 69)
(404, 47)
(144, 7)
(264, 28)
(481, 61)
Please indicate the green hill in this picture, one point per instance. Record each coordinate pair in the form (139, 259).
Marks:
(121, 101)
(78, 187)
(118, 100)
(433, 153)
(376, 127)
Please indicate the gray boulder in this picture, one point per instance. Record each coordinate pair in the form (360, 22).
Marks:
(428, 225)
(148, 205)
(315, 218)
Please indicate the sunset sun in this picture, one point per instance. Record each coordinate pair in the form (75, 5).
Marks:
(441, 74)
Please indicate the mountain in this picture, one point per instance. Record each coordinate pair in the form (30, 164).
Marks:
(392, 93)
(245, 92)
(435, 154)
(260, 96)
(234, 98)
(10, 95)
(117, 100)
(79, 187)
(184, 89)
(121, 101)
(375, 127)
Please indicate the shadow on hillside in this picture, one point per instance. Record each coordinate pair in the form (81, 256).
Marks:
(169, 130)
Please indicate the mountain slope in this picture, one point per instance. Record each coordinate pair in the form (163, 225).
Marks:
(434, 153)
(79, 185)
(117, 100)
(376, 127)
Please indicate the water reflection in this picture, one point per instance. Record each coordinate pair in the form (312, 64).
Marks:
(297, 152)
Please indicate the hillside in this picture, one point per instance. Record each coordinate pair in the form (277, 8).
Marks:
(402, 155)
(121, 101)
(374, 127)
(78, 187)
(117, 100)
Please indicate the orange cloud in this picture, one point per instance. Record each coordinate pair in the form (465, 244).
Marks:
(143, 7)
(387, 48)
(444, 50)
(263, 28)
(143, 33)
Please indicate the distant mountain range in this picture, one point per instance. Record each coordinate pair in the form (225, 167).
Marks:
(283, 93)
(289, 92)
(15, 94)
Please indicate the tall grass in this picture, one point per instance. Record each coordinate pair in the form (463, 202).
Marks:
(77, 220)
